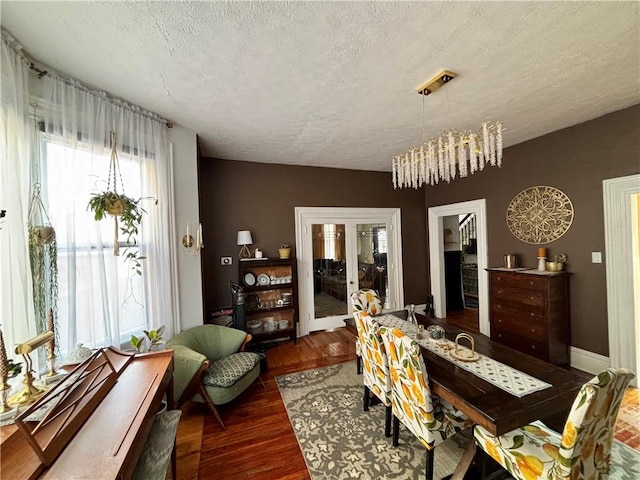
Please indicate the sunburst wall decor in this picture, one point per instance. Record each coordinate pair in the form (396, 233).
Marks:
(539, 214)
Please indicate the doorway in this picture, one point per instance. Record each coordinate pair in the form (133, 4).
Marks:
(341, 250)
(461, 271)
(436, 222)
(622, 249)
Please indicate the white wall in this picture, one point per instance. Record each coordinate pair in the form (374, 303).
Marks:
(185, 184)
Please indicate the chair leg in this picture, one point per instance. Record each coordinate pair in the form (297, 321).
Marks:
(359, 365)
(211, 406)
(174, 473)
(366, 398)
(429, 467)
(387, 422)
(396, 431)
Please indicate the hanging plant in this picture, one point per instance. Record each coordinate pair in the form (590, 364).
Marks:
(121, 207)
(43, 259)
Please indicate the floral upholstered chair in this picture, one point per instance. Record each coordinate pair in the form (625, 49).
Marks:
(431, 419)
(375, 371)
(364, 300)
(584, 449)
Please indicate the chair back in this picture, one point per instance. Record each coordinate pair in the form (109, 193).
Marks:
(375, 374)
(366, 300)
(587, 437)
(410, 392)
(212, 341)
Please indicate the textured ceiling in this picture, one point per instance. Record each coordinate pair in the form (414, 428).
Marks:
(333, 83)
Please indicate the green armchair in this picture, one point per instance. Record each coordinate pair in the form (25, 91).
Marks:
(210, 365)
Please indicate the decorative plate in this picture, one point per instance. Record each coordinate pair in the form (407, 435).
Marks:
(263, 279)
(249, 279)
(539, 215)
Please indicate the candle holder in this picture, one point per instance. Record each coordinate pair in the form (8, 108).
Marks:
(542, 263)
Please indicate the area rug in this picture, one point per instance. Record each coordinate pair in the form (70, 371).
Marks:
(340, 441)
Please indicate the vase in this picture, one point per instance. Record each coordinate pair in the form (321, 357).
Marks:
(114, 207)
(45, 234)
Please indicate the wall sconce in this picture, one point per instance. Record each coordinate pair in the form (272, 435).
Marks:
(244, 239)
(188, 241)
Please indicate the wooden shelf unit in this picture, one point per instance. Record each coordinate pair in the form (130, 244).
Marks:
(261, 301)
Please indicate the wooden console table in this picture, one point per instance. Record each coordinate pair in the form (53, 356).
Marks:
(109, 443)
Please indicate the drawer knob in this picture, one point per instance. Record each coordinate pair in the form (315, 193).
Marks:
(533, 347)
(499, 306)
(499, 335)
(531, 314)
(533, 297)
(530, 282)
(500, 290)
(499, 320)
(533, 330)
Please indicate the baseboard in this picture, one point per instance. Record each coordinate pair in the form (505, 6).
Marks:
(588, 361)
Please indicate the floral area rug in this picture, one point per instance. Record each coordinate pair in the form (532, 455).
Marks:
(340, 441)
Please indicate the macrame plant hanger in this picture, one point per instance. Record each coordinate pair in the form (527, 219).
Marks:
(40, 230)
(115, 207)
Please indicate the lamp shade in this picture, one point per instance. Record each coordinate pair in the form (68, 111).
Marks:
(244, 237)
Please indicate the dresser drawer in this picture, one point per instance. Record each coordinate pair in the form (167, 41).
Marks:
(520, 311)
(517, 295)
(519, 326)
(519, 281)
(535, 347)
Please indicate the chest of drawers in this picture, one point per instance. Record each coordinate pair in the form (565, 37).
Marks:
(530, 312)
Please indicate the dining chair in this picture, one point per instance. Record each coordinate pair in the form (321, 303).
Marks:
(431, 419)
(364, 300)
(159, 448)
(583, 451)
(375, 371)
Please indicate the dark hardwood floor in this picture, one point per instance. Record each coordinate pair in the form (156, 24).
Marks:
(258, 442)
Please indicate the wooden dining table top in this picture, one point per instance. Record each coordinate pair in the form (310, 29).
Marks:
(490, 406)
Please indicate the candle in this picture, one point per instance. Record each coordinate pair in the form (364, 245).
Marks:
(199, 243)
(187, 232)
(542, 252)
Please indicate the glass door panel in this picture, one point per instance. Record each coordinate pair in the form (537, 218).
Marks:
(371, 240)
(330, 297)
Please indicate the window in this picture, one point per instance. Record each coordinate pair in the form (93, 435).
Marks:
(100, 300)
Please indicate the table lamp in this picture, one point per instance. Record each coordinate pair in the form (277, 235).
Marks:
(244, 239)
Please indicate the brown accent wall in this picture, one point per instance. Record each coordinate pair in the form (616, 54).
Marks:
(576, 160)
(238, 195)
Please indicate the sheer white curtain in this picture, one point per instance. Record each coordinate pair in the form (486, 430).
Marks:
(16, 305)
(101, 300)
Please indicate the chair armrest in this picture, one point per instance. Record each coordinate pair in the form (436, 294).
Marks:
(187, 365)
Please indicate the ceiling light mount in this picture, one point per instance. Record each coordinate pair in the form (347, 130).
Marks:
(444, 77)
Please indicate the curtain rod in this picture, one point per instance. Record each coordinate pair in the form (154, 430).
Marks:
(41, 73)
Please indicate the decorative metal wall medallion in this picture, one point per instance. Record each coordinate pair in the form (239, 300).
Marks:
(539, 214)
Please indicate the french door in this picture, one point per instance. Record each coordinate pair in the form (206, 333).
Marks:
(341, 250)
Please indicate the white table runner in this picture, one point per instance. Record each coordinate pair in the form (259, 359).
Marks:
(502, 376)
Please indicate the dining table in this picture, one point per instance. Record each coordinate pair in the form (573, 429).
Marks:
(486, 403)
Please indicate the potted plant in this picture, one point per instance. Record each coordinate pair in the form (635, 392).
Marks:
(130, 212)
(43, 259)
(284, 250)
(154, 338)
(119, 205)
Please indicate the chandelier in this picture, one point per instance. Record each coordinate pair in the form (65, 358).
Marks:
(451, 154)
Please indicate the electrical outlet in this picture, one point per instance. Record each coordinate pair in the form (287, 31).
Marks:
(596, 257)
(226, 260)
